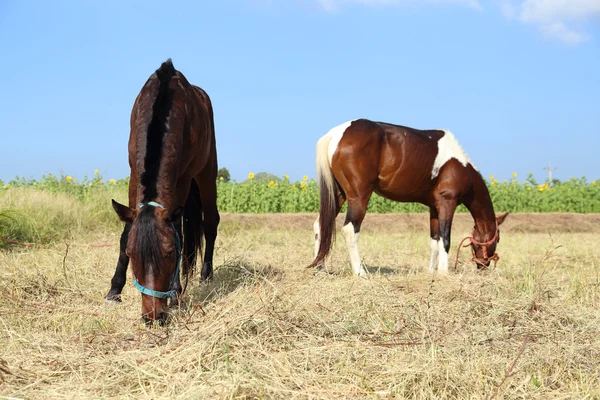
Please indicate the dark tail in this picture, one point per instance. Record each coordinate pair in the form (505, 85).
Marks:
(156, 130)
(328, 198)
(192, 227)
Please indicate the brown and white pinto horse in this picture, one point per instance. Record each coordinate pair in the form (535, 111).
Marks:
(173, 160)
(402, 164)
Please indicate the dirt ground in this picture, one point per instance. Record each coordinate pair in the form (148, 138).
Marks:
(522, 222)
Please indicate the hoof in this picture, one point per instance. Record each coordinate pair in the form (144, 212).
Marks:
(113, 301)
(321, 270)
(207, 272)
(362, 273)
(204, 278)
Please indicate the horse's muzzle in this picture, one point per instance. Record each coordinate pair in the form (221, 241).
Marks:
(483, 263)
(161, 319)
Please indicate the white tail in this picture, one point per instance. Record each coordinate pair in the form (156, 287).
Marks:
(328, 192)
(324, 174)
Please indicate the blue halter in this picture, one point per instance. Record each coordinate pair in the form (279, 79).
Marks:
(156, 293)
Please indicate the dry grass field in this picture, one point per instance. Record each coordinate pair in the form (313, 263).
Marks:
(267, 327)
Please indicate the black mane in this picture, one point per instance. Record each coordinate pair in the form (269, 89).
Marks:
(147, 240)
(156, 131)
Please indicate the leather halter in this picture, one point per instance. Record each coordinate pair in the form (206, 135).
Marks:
(157, 293)
(495, 257)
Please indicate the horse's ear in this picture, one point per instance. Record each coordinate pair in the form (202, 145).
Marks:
(501, 218)
(176, 214)
(125, 213)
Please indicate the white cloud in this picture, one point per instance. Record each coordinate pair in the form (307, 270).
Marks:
(551, 11)
(558, 19)
(559, 31)
(563, 20)
(333, 5)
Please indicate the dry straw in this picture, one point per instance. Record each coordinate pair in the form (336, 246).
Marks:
(268, 328)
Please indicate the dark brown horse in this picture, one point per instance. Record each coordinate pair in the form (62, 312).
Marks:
(172, 190)
(402, 164)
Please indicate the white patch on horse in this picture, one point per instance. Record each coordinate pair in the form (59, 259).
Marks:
(352, 244)
(448, 147)
(336, 135)
(443, 258)
(433, 244)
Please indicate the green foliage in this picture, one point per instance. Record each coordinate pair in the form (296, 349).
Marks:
(257, 195)
(83, 190)
(252, 196)
(57, 208)
(575, 195)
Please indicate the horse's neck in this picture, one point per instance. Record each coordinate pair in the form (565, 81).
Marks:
(481, 207)
(165, 193)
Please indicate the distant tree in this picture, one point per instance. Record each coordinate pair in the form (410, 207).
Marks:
(266, 177)
(223, 173)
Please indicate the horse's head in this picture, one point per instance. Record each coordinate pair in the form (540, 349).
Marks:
(483, 244)
(154, 250)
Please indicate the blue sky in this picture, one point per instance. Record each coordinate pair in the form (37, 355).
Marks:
(516, 81)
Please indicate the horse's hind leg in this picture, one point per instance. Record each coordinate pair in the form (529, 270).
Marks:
(177, 284)
(192, 229)
(357, 208)
(208, 196)
(435, 237)
(119, 278)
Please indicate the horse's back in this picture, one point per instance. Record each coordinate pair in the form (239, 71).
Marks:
(190, 120)
(395, 148)
(404, 163)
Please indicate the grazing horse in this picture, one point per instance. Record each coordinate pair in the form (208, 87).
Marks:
(172, 190)
(402, 164)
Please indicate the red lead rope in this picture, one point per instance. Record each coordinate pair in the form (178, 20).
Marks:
(485, 245)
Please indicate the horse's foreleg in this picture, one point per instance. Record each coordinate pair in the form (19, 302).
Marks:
(120, 277)
(434, 238)
(445, 213)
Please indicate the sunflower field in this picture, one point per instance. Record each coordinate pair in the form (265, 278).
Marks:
(576, 195)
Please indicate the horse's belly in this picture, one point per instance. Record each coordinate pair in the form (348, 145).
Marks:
(405, 188)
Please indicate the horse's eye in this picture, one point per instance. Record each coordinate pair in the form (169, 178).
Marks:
(170, 254)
